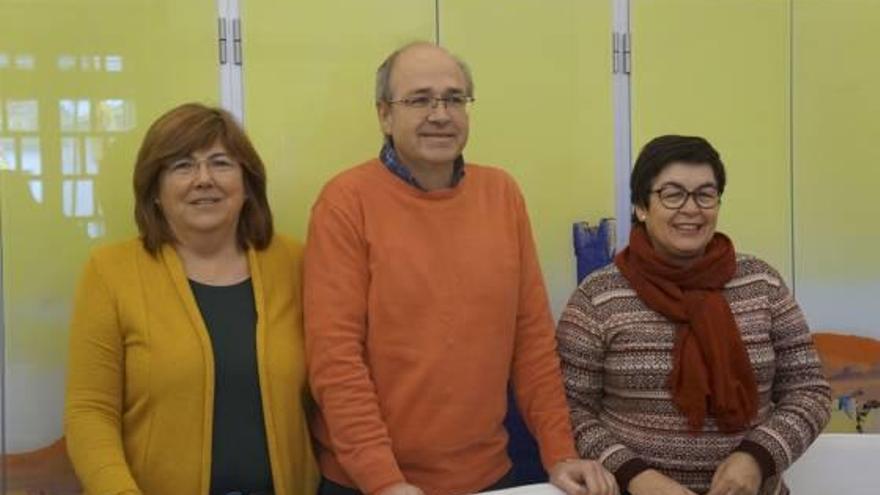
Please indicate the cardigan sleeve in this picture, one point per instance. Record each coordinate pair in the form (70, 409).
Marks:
(582, 352)
(336, 282)
(535, 371)
(801, 395)
(93, 409)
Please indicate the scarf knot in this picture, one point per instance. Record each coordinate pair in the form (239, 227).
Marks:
(711, 371)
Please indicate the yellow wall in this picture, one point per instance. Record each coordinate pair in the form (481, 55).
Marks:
(720, 69)
(836, 106)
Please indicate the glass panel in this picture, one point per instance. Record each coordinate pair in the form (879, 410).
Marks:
(309, 98)
(836, 102)
(80, 83)
(546, 119)
(696, 72)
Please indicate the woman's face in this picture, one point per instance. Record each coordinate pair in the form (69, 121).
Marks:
(202, 194)
(680, 234)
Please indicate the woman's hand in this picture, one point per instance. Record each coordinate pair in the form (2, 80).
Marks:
(739, 474)
(652, 482)
(582, 477)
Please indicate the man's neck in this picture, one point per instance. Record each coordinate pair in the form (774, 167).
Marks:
(432, 176)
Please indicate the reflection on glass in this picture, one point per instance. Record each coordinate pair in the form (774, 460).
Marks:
(31, 160)
(7, 154)
(25, 61)
(4, 60)
(66, 62)
(22, 115)
(94, 154)
(36, 188)
(77, 198)
(74, 115)
(95, 229)
(90, 62)
(69, 155)
(113, 63)
(115, 115)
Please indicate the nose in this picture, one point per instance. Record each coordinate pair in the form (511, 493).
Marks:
(690, 204)
(438, 111)
(203, 173)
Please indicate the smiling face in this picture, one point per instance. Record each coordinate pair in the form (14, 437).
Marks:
(202, 194)
(680, 235)
(425, 137)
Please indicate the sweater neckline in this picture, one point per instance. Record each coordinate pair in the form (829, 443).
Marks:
(436, 195)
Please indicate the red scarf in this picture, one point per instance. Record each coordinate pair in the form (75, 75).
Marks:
(711, 371)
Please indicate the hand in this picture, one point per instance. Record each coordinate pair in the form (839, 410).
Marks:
(739, 474)
(653, 482)
(582, 477)
(401, 489)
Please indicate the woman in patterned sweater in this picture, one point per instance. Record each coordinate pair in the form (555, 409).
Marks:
(689, 368)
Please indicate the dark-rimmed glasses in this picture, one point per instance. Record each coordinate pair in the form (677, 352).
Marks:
(674, 197)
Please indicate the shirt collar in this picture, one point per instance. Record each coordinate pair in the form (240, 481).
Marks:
(390, 158)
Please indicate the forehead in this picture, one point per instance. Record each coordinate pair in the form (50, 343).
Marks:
(214, 148)
(426, 68)
(689, 175)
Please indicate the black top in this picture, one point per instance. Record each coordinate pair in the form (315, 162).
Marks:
(239, 455)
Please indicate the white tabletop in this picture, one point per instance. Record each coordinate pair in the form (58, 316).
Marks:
(537, 489)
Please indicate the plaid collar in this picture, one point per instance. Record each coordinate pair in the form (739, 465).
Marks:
(389, 157)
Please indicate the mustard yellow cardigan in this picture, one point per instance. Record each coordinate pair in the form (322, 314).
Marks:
(140, 391)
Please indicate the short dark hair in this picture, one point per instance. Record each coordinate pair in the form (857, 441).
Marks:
(659, 153)
(178, 133)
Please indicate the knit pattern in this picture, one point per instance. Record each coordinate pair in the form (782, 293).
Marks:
(616, 357)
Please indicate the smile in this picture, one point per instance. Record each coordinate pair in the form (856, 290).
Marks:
(204, 201)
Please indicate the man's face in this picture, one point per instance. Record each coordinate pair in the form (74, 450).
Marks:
(425, 137)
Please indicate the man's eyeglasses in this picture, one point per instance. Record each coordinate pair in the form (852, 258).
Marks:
(453, 102)
(673, 196)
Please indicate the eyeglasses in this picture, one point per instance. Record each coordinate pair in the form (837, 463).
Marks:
(453, 102)
(674, 197)
(187, 167)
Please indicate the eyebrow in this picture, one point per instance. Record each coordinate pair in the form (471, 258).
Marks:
(427, 91)
(678, 184)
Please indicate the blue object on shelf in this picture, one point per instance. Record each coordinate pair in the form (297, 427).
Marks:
(593, 246)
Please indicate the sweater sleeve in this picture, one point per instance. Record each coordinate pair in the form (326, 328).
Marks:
(801, 395)
(535, 373)
(336, 284)
(582, 351)
(93, 409)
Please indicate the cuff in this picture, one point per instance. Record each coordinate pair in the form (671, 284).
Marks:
(629, 470)
(761, 455)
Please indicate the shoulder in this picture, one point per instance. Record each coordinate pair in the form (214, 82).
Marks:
(353, 179)
(492, 176)
(603, 284)
(120, 254)
(753, 270)
(283, 249)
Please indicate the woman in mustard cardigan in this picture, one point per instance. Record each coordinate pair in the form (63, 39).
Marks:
(186, 371)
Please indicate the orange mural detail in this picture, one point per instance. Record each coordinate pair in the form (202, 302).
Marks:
(44, 471)
(852, 365)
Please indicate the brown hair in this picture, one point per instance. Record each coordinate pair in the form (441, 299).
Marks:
(178, 133)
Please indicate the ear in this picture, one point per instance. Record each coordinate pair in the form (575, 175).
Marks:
(383, 110)
(641, 213)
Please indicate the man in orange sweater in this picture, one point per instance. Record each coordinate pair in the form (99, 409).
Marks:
(423, 298)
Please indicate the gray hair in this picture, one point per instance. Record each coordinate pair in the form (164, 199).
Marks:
(383, 73)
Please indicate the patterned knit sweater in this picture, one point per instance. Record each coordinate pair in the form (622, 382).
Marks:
(616, 357)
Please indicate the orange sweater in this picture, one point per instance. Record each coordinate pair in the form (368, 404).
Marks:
(420, 306)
